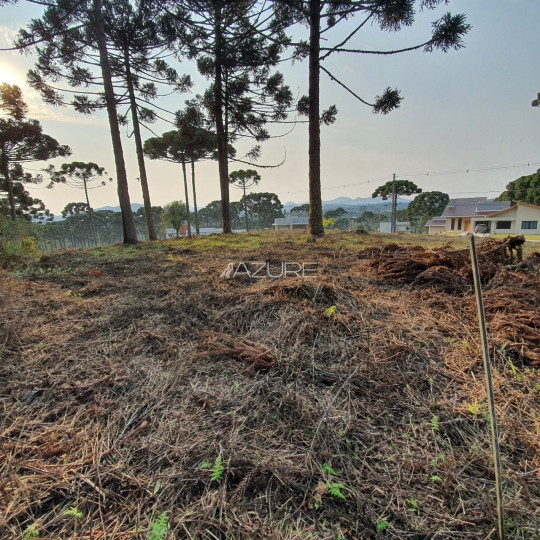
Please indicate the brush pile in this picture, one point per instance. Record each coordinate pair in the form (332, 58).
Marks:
(450, 271)
(350, 405)
(443, 268)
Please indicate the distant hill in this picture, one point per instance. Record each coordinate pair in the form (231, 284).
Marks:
(354, 206)
(134, 208)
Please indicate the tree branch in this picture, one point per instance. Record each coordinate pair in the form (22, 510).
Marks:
(347, 88)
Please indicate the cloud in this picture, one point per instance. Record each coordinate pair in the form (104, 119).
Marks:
(41, 111)
(7, 35)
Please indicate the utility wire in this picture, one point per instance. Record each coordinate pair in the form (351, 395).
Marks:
(434, 173)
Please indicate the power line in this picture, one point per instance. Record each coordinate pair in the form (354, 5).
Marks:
(430, 173)
(465, 171)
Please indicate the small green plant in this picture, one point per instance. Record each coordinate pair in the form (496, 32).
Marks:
(74, 513)
(326, 469)
(476, 407)
(158, 528)
(330, 311)
(30, 532)
(435, 423)
(217, 471)
(206, 464)
(346, 440)
(412, 505)
(335, 489)
(382, 525)
(436, 479)
(513, 369)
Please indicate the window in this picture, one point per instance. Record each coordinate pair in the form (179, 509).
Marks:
(504, 225)
(529, 224)
(453, 224)
(459, 224)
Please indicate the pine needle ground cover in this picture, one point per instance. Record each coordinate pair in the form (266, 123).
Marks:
(144, 396)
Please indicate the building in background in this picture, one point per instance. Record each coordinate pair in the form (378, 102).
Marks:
(289, 223)
(463, 216)
(401, 227)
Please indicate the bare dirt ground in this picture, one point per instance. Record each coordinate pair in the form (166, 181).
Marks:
(136, 381)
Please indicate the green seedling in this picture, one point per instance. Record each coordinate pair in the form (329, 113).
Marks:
(435, 423)
(382, 526)
(476, 407)
(74, 513)
(335, 490)
(30, 532)
(330, 311)
(217, 471)
(412, 505)
(326, 469)
(158, 528)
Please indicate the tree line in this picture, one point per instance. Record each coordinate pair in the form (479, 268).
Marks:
(115, 55)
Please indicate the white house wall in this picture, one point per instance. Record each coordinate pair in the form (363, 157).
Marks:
(528, 213)
(517, 215)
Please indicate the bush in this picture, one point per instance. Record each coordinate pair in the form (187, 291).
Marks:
(18, 242)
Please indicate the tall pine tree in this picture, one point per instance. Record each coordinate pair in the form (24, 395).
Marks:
(324, 20)
(21, 141)
(244, 94)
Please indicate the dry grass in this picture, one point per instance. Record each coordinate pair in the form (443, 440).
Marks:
(119, 392)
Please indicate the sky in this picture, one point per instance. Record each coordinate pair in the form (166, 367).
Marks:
(465, 127)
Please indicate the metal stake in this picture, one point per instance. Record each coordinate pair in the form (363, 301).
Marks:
(489, 384)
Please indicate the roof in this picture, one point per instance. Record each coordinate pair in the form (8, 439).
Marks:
(517, 204)
(436, 222)
(462, 207)
(486, 208)
(473, 207)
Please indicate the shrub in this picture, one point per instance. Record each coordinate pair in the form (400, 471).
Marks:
(18, 242)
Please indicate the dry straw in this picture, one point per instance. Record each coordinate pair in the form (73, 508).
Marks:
(115, 401)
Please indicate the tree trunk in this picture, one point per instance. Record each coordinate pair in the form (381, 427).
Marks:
(315, 220)
(139, 148)
(245, 208)
(9, 185)
(90, 216)
(222, 142)
(194, 196)
(187, 198)
(130, 233)
(393, 214)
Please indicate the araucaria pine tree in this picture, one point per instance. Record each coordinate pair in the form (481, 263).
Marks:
(81, 175)
(226, 39)
(324, 20)
(22, 141)
(111, 54)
